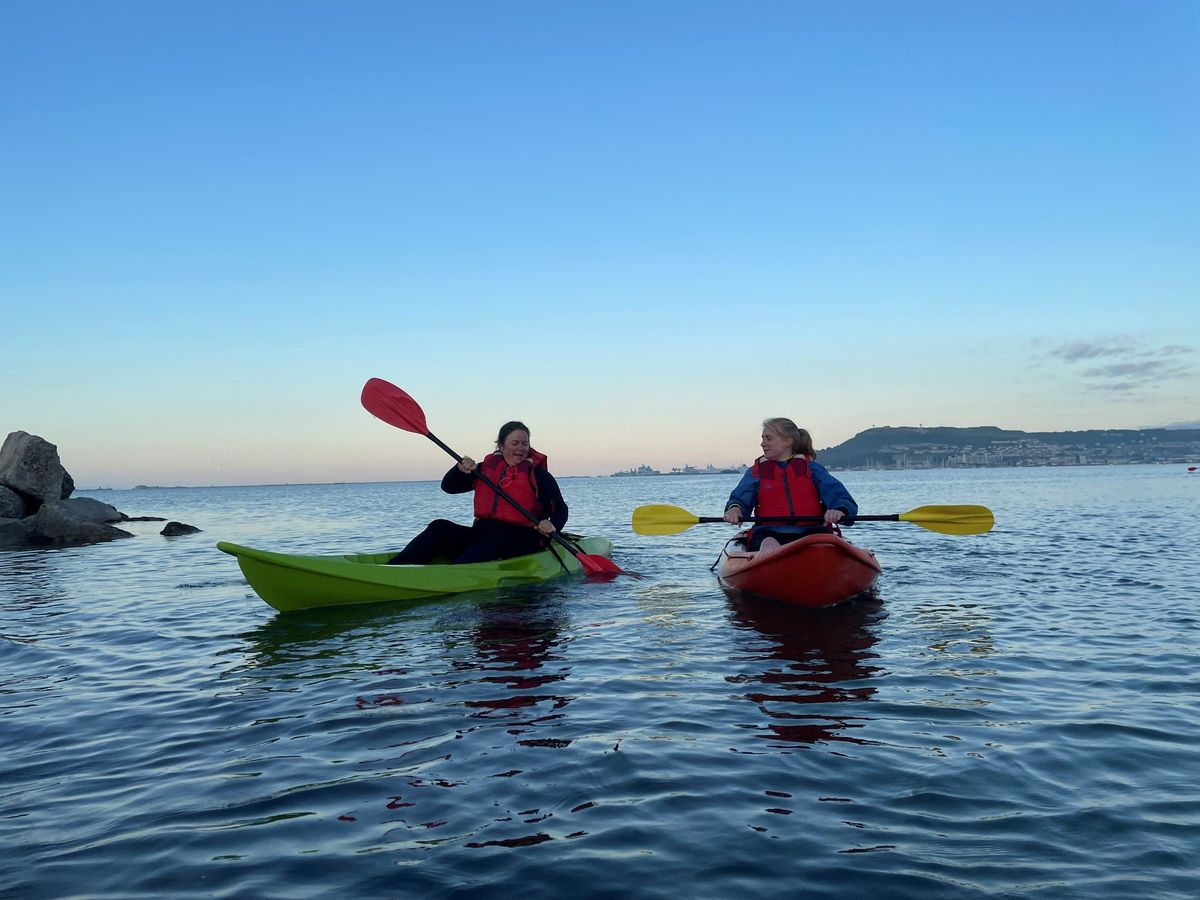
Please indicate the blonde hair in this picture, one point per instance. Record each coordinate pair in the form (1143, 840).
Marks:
(802, 444)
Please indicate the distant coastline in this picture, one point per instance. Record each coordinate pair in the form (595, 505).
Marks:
(987, 447)
(921, 447)
(710, 469)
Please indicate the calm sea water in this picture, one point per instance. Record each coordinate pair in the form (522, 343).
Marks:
(1015, 714)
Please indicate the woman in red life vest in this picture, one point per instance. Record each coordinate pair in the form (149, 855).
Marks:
(500, 530)
(787, 481)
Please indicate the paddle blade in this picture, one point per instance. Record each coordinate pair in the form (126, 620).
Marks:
(952, 519)
(660, 518)
(385, 401)
(594, 565)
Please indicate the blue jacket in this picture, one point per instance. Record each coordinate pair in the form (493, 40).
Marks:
(831, 491)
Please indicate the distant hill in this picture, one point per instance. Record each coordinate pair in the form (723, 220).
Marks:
(909, 446)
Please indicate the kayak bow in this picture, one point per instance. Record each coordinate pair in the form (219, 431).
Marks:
(815, 571)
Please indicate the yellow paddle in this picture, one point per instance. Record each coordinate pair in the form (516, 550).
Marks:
(659, 518)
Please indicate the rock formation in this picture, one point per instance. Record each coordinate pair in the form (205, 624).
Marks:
(36, 507)
(175, 529)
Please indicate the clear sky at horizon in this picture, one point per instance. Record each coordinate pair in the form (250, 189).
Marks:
(640, 227)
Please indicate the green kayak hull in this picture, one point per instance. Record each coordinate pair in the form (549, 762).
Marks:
(288, 582)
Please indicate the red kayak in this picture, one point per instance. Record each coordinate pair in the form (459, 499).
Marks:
(815, 571)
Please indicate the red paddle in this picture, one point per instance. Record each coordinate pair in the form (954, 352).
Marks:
(385, 401)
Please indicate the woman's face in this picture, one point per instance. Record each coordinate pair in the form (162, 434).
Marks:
(515, 447)
(775, 447)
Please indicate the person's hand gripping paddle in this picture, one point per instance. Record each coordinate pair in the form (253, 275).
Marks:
(385, 401)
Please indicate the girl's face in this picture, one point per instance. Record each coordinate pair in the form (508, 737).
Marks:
(515, 447)
(775, 447)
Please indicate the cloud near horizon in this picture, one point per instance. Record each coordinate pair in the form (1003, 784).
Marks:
(1128, 364)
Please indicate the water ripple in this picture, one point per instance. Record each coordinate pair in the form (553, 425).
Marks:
(1010, 714)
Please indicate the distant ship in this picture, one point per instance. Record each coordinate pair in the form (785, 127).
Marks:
(710, 469)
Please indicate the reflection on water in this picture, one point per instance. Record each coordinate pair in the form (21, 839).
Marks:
(517, 648)
(816, 660)
(314, 635)
(980, 736)
(955, 628)
(35, 600)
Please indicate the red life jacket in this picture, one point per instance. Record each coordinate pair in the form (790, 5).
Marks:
(786, 489)
(517, 481)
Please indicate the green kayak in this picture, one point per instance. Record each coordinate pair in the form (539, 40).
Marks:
(289, 582)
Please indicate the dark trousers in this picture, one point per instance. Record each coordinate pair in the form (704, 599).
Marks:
(485, 540)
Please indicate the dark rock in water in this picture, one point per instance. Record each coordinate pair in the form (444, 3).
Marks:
(11, 504)
(125, 518)
(30, 466)
(174, 529)
(68, 487)
(90, 510)
(54, 524)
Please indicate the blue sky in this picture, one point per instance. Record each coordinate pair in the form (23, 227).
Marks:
(641, 227)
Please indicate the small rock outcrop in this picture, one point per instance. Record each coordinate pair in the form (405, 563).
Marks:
(175, 529)
(36, 507)
(91, 510)
(54, 523)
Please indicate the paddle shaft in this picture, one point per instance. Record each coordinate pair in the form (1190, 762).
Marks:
(575, 551)
(895, 517)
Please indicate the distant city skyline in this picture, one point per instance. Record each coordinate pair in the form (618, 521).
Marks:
(642, 229)
(1035, 454)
